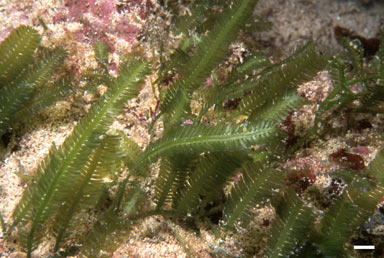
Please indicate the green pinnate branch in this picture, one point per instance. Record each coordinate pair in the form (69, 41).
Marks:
(16, 51)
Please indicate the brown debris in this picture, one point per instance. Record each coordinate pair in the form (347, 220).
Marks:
(348, 160)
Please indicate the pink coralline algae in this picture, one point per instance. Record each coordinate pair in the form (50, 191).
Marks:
(102, 9)
(102, 24)
(126, 30)
(362, 150)
(92, 32)
(76, 9)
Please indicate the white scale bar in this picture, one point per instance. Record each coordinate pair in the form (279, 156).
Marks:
(363, 247)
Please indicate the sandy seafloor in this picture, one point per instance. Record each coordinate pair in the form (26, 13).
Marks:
(75, 25)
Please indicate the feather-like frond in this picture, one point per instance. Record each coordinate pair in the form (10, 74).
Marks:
(277, 109)
(232, 166)
(177, 60)
(279, 78)
(199, 12)
(355, 53)
(172, 177)
(336, 227)
(342, 218)
(375, 168)
(165, 180)
(373, 98)
(100, 169)
(290, 228)
(209, 54)
(16, 93)
(128, 149)
(352, 68)
(357, 183)
(95, 79)
(16, 51)
(53, 182)
(230, 89)
(255, 186)
(367, 202)
(201, 138)
(101, 50)
(251, 63)
(112, 229)
(210, 175)
(43, 98)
